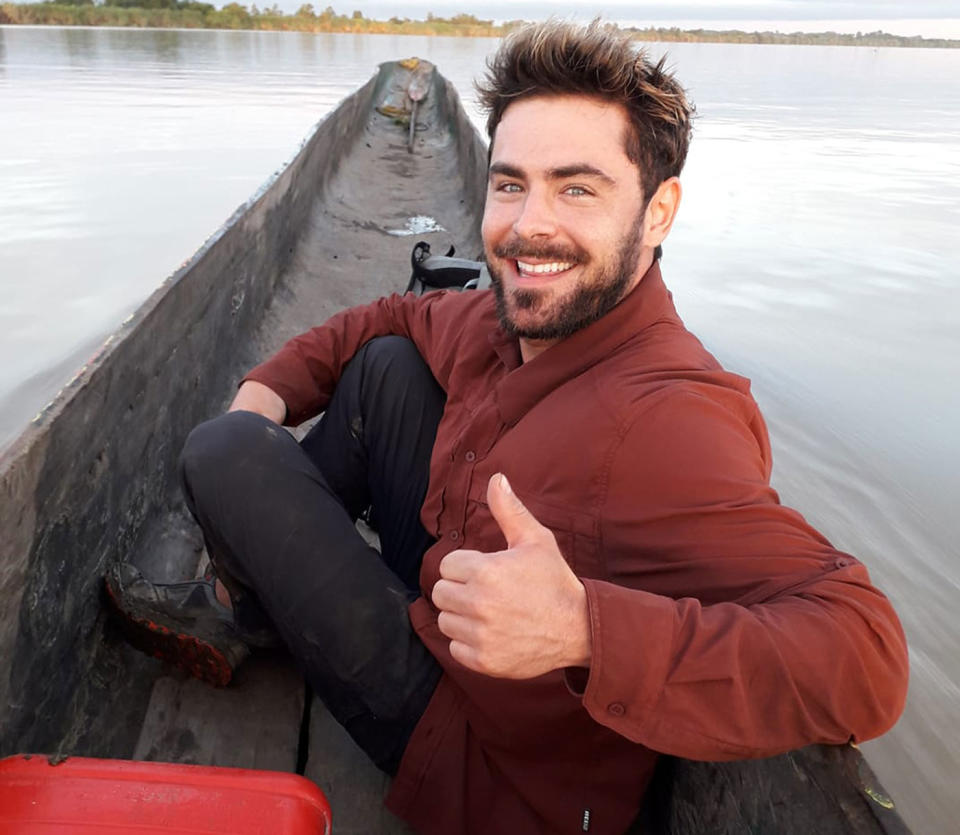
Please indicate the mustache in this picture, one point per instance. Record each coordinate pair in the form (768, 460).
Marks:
(517, 248)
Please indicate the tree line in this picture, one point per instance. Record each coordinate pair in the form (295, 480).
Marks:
(193, 14)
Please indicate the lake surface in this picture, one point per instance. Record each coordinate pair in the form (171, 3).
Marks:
(816, 252)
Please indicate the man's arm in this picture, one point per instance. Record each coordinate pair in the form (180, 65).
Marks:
(729, 628)
(304, 372)
(727, 681)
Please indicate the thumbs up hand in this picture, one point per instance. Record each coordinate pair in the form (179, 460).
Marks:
(517, 613)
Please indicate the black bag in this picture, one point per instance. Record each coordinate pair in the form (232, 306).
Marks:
(444, 272)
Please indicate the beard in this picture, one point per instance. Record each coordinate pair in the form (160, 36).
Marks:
(535, 313)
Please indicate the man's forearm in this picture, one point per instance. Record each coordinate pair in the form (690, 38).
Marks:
(725, 681)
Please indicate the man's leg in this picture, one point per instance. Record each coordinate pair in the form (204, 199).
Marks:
(280, 526)
(374, 444)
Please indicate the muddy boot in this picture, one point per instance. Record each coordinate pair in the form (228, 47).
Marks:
(182, 623)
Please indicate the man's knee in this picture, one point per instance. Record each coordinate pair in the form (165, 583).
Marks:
(389, 354)
(216, 448)
(389, 370)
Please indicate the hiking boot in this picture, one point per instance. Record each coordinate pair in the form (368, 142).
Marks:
(182, 623)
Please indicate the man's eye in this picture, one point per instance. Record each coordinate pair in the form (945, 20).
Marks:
(509, 188)
(576, 191)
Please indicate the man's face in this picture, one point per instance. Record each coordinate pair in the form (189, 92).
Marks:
(564, 217)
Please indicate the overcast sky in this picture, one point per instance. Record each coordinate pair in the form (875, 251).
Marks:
(930, 18)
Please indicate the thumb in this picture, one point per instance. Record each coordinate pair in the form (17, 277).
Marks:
(517, 523)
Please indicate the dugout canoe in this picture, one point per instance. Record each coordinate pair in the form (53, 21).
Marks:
(92, 480)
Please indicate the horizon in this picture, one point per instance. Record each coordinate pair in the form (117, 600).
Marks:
(927, 19)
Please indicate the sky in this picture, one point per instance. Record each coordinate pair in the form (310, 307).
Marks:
(929, 18)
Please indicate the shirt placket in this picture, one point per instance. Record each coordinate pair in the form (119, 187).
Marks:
(473, 446)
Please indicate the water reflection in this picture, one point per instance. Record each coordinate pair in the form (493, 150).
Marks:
(167, 46)
(80, 44)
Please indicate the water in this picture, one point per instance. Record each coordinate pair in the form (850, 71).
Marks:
(815, 252)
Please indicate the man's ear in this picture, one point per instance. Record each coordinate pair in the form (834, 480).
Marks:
(661, 210)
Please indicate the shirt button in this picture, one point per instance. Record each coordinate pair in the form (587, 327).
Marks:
(471, 456)
(841, 563)
(455, 535)
(616, 708)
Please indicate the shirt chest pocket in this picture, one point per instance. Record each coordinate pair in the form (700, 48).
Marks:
(576, 532)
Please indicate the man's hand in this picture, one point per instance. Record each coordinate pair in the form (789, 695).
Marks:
(256, 397)
(517, 613)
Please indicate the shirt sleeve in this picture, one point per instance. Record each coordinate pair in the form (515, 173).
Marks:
(305, 371)
(729, 627)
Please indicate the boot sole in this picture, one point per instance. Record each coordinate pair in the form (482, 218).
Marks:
(209, 657)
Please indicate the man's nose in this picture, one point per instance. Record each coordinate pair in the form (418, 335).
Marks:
(537, 218)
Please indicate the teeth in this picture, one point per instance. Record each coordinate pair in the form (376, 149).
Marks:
(555, 267)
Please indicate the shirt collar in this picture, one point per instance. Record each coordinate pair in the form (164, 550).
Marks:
(525, 384)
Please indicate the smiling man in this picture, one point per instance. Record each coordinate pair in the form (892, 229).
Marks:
(582, 562)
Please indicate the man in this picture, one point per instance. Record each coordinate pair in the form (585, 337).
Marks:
(582, 561)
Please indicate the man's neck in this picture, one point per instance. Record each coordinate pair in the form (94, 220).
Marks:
(529, 348)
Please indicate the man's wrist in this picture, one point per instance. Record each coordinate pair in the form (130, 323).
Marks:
(253, 396)
(580, 643)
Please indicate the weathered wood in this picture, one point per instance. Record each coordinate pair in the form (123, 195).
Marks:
(354, 786)
(252, 723)
(823, 789)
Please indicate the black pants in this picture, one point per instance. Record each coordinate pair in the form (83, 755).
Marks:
(278, 518)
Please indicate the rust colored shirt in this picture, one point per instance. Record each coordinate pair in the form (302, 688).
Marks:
(723, 626)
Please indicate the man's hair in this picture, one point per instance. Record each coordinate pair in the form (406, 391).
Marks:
(597, 60)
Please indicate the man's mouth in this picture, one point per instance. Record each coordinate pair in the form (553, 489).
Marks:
(527, 268)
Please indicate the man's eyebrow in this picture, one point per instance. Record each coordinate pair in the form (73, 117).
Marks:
(579, 169)
(507, 170)
(564, 172)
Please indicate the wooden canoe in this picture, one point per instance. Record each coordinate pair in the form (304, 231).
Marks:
(92, 480)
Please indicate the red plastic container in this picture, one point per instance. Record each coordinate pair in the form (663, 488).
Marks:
(119, 797)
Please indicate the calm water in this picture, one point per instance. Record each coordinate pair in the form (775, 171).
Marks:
(815, 252)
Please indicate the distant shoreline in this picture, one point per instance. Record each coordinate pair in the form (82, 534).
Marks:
(188, 14)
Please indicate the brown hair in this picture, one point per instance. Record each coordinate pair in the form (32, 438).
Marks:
(557, 58)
